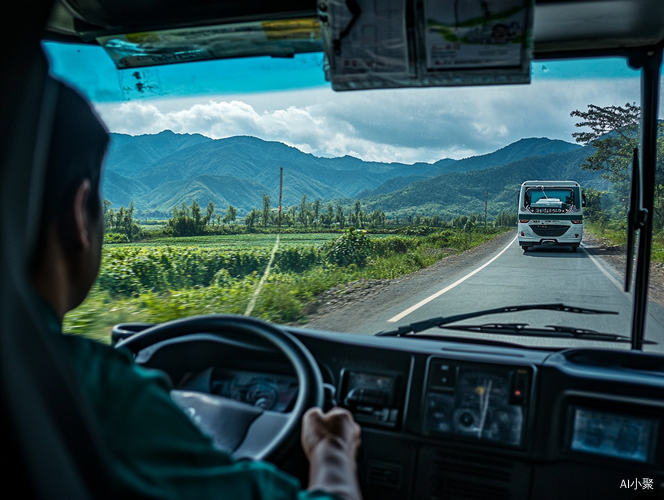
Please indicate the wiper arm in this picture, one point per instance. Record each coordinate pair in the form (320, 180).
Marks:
(420, 326)
(549, 331)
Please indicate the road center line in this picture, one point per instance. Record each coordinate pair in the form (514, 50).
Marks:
(447, 288)
(606, 273)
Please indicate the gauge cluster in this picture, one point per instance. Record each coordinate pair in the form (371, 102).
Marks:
(485, 402)
(274, 392)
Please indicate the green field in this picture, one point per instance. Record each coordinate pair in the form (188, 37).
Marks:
(237, 241)
(171, 278)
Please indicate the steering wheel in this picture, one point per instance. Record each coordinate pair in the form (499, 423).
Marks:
(244, 431)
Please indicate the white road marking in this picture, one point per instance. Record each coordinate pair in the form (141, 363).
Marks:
(252, 302)
(447, 288)
(606, 273)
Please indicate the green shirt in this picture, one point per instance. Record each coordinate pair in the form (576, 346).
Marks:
(156, 451)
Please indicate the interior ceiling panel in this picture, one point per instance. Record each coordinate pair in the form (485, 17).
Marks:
(560, 25)
(598, 24)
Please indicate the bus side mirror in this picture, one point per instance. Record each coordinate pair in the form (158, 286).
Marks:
(583, 200)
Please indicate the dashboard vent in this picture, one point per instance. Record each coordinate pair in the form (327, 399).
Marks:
(470, 477)
(480, 467)
(383, 473)
(454, 489)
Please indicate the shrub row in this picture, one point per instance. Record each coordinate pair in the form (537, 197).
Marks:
(130, 271)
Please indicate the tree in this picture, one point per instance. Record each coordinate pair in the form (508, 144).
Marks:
(316, 209)
(209, 213)
(505, 219)
(304, 211)
(266, 209)
(614, 133)
(292, 213)
(340, 216)
(330, 214)
(108, 214)
(231, 214)
(251, 218)
(196, 215)
(121, 221)
(356, 215)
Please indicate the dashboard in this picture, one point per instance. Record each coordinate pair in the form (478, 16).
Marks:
(445, 420)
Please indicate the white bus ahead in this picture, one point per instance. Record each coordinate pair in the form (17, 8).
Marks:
(550, 213)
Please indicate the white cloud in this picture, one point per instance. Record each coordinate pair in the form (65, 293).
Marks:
(405, 125)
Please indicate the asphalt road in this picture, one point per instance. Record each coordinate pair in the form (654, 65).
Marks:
(510, 277)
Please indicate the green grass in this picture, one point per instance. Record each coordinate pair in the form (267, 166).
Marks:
(163, 286)
(618, 237)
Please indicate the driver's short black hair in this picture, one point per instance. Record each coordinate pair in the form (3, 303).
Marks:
(76, 153)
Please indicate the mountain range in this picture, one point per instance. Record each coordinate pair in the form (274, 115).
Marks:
(160, 171)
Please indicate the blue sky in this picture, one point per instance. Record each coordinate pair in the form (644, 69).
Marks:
(288, 100)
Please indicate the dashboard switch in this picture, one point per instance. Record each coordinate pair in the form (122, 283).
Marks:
(519, 389)
(443, 376)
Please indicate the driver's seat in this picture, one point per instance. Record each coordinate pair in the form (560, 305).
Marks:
(48, 441)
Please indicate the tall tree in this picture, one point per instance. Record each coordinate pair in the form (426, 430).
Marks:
(356, 215)
(316, 209)
(209, 212)
(304, 211)
(614, 133)
(251, 218)
(340, 216)
(231, 214)
(266, 209)
(196, 214)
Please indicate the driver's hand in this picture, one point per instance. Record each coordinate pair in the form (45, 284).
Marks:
(330, 441)
(335, 428)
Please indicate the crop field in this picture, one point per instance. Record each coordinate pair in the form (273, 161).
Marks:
(238, 241)
(171, 278)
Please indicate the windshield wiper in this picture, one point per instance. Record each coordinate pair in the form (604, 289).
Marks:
(549, 331)
(420, 326)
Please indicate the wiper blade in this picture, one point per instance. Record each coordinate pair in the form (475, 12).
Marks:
(549, 331)
(420, 326)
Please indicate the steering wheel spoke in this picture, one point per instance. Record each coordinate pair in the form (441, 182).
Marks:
(266, 428)
(226, 421)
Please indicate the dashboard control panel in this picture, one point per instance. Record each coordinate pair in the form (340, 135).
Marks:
(371, 397)
(477, 401)
(612, 434)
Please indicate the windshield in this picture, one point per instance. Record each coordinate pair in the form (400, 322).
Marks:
(549, 200)
(248, 186)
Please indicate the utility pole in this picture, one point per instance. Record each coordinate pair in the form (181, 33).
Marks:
(281, 185)
(486, 201)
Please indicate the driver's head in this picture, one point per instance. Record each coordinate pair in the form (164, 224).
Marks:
(71, 230)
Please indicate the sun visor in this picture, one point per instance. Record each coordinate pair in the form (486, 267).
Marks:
(426, 43)
(279, 38)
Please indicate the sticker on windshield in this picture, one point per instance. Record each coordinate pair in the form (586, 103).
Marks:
(281, 38)
(471, 34)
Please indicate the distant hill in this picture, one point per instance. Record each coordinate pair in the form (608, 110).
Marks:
(523, 148)
(460, 193)
(163, 170)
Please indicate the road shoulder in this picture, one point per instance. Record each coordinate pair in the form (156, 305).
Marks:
(614, 257)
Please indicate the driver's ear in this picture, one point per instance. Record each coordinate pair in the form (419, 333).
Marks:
(82, 233)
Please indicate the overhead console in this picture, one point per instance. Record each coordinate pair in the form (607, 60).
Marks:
(479, 402)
